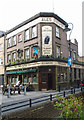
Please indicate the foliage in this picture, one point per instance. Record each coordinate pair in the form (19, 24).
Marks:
(69, 108)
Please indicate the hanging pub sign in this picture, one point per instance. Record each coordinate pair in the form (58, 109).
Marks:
(46, 40)
(35, 53)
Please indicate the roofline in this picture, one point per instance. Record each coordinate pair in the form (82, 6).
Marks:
(41, 14)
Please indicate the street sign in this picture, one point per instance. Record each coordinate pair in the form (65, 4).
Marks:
(69, 61)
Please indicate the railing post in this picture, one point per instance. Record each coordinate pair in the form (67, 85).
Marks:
(59, 88)
(74, 90)
(18, 90)
(64, 94)
(50, 97)
(81, 88)
(8, 91)
(30, 102)
(71, 90)
(25, 90)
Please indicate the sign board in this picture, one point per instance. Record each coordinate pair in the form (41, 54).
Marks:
(46, 40)
(69, 61)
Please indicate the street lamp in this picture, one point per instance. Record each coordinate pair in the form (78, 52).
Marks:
(66, 30)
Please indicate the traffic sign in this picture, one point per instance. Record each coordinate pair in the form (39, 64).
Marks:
(69, 61)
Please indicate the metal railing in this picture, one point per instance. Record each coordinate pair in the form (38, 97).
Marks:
(38, 100)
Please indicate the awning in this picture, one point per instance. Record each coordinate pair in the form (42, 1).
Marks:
(16, 72)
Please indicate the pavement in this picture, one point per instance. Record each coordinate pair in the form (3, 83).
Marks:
(20, 97)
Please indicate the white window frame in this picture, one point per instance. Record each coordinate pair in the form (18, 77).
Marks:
(57, 32)
(1, 47)
(9, 60)
(34, 31)
(27, 53)
(9, 42)
(20, 38)
(14, 56)
(14, 40)
(27, 34)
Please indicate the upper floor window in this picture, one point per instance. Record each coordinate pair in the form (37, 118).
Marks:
(1, 61)
(9, 42)
(1, 47)
(27, 35)
(14, 40)
(9, 58)
(58, 51)
(27, 53)
(14, 56)
(34, 31)
(74, 55)
(57, 32)
(20, 38)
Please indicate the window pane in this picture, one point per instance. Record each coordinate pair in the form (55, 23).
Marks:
(14, 56)
(9, 58)
(14, 40)
(25, 79)
(34, 32)
(34, 79)
(27, 53)
(57, 32)
(9, 42)
(19, 38)
(58, 51)
(27, 35)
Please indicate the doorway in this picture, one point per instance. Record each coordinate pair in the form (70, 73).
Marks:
(20, 78)
(50, 79)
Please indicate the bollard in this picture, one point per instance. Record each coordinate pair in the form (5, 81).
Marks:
(74, 90)
(59, 88)
(64, 93)
(81, 88)
(30, 102)
(18, 90)
(71, 90)
(50, 97)
(25, 90)
(8, 91)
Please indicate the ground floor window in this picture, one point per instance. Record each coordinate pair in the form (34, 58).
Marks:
(61, 74)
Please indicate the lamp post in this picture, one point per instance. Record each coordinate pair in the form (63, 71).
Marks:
(66, 30)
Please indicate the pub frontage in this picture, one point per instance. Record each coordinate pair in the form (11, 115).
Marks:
(37, 52)
(46, 74)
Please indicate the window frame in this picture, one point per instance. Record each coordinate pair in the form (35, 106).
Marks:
(57, 46)
(57, 32)
(33, 36)
(9, 44)
(13, 40)
(19, 40)
(8, 60)
(25, 53)
(13, 55)
(26, 37)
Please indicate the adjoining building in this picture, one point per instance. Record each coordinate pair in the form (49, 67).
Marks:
(37, 52)
(2, 57)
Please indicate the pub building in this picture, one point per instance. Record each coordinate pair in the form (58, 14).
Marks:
(37, 52)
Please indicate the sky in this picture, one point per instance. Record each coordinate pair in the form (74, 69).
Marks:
(13, 12)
